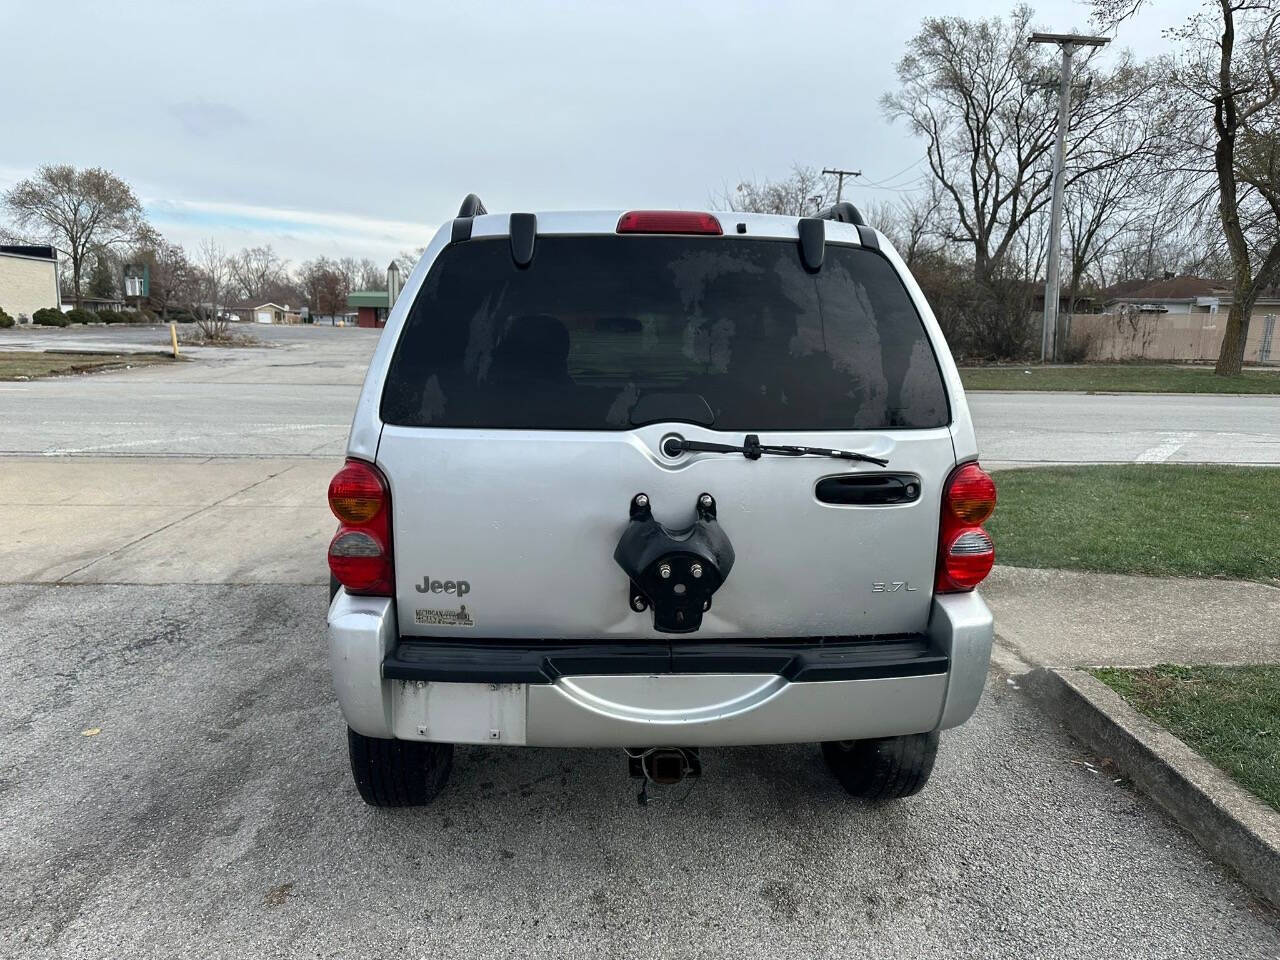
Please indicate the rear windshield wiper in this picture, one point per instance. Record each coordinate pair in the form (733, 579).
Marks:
(752, 449)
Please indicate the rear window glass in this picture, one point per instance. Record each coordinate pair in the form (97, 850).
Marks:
(610, 332)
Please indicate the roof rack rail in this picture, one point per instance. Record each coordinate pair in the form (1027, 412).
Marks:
(472, 207)
(843, 212)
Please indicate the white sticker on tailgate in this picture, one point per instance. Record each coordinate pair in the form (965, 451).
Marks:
(444, 618)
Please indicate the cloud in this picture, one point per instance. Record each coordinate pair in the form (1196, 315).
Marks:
(207, 118)
(295, 233)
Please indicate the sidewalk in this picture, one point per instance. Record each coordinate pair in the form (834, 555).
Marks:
(156, 520)
(1062, 618)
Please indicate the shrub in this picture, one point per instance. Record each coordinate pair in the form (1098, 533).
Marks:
(991, 321)
(5, 320)
(79, 315)
(49, 317)
(1078, 348)
(107, 316)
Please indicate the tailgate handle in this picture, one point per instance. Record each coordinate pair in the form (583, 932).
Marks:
(869, 489)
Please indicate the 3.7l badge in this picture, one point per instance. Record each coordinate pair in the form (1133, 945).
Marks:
(892, 586)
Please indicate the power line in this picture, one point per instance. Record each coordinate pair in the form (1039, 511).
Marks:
(911, 188)
(884, 184)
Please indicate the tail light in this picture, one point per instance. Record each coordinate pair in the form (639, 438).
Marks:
(965, 550)
(669, 221)
(360, 552)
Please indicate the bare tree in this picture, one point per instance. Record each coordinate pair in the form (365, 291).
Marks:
(1244, 91)
(1226, 81)
(212, 275)
(78, 211)
(1107, 200)
(324, 285)
(171, 272)
(171, 277)
(406, 260)
(372, 276)
(1160, 239)
(256, 272)
(913, 223)
(983, 101)
(802, 194)
(307, 277)
(349, 270)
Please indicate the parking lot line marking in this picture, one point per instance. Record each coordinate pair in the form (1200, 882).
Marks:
(285, 428)
(1165, 449)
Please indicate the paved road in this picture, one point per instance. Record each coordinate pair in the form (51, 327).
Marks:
(213, 816)
(1025, 428)
(292, 397)
(296, 397)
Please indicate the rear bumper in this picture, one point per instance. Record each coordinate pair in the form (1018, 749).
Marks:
(684, 694)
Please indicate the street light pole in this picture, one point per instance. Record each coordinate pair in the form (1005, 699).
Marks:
(1067, 42)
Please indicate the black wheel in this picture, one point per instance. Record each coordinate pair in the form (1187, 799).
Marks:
(885, 769)
(398, 773)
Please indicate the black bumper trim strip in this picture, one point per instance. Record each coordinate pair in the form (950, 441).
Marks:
(801, 660)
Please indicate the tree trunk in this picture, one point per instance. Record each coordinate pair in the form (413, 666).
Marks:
(1243, 288)
(1231, 356)
(981, 268)
(75, 281)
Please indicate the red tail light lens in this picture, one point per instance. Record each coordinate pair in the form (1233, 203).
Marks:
(669, 221)
(360, 552)
(966, 553)
(971, 494)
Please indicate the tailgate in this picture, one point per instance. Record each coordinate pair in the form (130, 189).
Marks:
(525, 531)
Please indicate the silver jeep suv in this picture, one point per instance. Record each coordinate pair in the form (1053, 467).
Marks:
(658, 480)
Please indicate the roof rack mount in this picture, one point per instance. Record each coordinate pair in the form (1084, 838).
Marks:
(843, 212)
(472, 207)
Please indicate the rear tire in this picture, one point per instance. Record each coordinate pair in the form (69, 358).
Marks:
(886, 769)
(398, 773)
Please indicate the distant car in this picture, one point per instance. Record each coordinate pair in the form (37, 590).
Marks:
(658, 480)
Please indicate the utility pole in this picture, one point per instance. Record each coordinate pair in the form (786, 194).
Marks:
(1067, 42)
(840, 175)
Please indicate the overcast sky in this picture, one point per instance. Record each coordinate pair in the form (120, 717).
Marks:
(357, 127)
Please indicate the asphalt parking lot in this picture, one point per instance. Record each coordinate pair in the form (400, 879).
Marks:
(173, 776)
(213, 815)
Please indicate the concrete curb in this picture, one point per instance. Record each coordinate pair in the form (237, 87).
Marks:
(126, 350)
(1233, 826)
